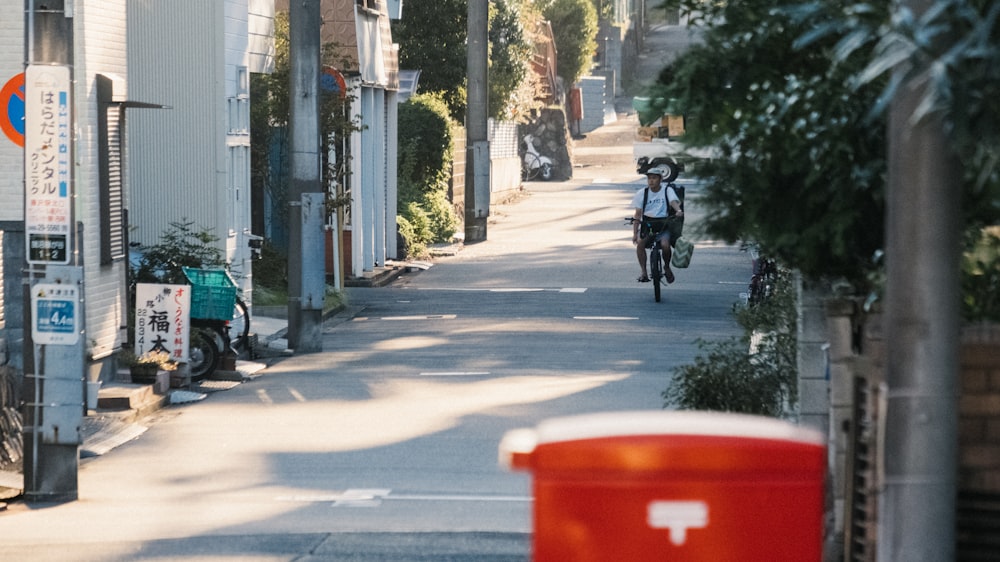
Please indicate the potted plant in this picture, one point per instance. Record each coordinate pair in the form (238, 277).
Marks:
(144, 368)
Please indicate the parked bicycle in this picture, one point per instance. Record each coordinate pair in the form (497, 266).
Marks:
(214, 306)
(220, 319)
(763, 277)
(656, 263)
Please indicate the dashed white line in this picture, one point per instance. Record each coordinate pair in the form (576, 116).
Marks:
(455, 374)
(373, 497)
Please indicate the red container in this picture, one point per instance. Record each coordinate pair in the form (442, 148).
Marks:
(675, 486)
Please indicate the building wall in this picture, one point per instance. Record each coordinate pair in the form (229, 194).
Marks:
(99, 47)
(11, 64)
(11, 191)
(191, 162)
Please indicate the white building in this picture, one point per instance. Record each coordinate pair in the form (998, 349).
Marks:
(190, 161)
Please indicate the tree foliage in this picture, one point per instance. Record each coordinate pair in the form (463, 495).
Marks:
(574, 28)
(801, 159)
(269, 119)
(793, 98)
(432, 39)
(511, 49)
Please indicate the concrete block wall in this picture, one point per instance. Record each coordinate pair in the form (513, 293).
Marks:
(592, 90)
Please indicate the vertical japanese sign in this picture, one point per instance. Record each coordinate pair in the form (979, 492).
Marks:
(48, 160)
(162, 319)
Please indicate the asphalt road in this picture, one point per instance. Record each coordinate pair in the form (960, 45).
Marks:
(385, 445)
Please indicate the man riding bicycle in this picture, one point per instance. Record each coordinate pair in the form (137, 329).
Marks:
(659, 217)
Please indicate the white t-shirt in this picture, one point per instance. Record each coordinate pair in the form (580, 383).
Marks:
(656, 204)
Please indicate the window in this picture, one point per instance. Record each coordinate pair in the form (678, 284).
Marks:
(111, 127)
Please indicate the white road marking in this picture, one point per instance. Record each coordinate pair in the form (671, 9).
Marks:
(417, 317)
(605, 318)
(455, 374)
(506, 289)
(446, 498)
(373, 497)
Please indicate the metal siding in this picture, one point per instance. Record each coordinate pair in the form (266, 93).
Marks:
(176, 59)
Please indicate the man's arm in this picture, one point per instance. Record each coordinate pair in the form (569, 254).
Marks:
(673, 201)
(636, 223)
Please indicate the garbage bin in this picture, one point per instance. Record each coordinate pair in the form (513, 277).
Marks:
(675, 486)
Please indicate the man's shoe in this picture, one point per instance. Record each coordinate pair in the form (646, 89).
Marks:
(669, 275)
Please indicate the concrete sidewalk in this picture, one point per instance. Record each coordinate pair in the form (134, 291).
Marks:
(127, 405)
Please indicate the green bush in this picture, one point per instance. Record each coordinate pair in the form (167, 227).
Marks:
(179, 246)
(574, 26)
(425, 147)
(443, 222)
(727, 377)
(424, 168)
(981, 277)
(414, 246)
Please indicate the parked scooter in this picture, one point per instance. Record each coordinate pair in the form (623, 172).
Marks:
(534, 165)
(644, 163)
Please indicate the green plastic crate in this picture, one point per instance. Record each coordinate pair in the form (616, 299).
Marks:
(213, 293)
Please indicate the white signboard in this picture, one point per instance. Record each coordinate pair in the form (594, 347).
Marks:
(48, 154)
(162, 319)
(55, 314)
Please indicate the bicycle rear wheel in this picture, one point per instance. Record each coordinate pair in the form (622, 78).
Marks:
(655, 265)
(239, 326)
(204, 353)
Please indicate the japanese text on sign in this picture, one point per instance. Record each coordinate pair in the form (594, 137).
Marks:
(48, 164)
(162, 319)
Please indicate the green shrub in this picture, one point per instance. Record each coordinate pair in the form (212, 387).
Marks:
(727, 377)
(443, 222)
(179, 246)
(425, 147)
(981, 277)
(424, 168)
(414, 245)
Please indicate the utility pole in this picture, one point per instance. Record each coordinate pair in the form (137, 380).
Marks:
(922, 327)
(306, 200)
(53, 297)
(477, 162)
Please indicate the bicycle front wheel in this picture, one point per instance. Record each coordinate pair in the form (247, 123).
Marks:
(655, 265)
(531, 165)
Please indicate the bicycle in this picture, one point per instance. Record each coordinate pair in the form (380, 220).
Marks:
(213, 331)
(655, 260)
(763, 278)
(216, 313)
